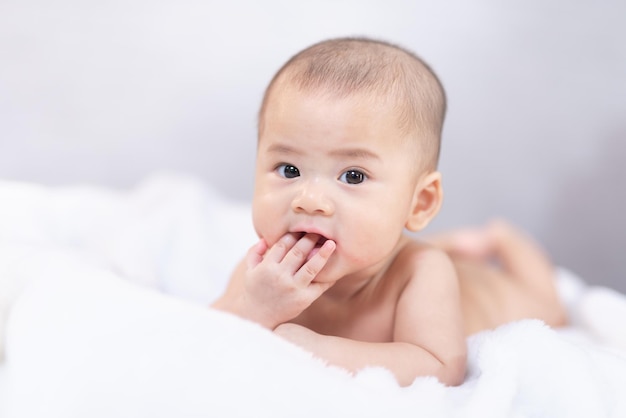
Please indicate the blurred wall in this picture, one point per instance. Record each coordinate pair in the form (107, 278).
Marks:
(107, 92)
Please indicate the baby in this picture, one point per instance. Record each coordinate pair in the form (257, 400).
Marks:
(348, 144)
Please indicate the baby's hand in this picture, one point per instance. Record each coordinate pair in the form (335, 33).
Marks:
(279, 281)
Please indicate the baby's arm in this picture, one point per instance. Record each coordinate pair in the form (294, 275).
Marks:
(274, 285)
(428, 336)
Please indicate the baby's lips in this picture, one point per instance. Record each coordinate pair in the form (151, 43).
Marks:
(319, 239)
(314, 235)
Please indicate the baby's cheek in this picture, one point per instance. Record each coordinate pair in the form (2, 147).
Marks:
(267, 221)
(370, 249)
(260, 224)
(266, 232)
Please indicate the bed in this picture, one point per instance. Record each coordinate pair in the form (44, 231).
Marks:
(103, 312)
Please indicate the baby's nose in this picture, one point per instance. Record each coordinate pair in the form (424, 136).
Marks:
(313, 200)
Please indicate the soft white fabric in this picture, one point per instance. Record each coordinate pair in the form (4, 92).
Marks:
(105, 294)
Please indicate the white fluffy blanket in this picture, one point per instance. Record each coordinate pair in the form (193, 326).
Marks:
(103, 295)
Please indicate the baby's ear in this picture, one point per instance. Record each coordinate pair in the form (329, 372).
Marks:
(426, 202)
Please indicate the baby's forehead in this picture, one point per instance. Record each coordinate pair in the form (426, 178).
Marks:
(285, 92)
(360, 112)
(371, 105)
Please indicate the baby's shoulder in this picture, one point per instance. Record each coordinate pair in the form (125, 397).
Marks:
(418, 261)
(418, 254)
(421, 267)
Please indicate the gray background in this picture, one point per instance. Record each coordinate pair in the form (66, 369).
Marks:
(108, 92)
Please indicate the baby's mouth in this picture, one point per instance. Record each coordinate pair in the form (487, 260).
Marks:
(320, 241)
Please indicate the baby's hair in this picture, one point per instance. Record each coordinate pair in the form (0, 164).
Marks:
(347, 66)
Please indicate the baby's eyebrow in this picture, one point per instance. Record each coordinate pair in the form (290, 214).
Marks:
(354, 153)
(282, 149)
(359, 153)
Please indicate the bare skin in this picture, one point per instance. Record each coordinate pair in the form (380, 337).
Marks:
(370, 322)
(503, 276)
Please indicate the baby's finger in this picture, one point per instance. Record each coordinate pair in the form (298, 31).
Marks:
(277, 252)
(309, 271)
(298, 254)
(255, 254)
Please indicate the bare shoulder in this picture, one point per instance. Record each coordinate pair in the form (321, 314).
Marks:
(423, 260)
(431, 279)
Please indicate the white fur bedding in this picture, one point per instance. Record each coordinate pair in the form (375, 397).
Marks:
(103, 295)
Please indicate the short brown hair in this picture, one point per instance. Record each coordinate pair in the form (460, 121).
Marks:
(345, 66)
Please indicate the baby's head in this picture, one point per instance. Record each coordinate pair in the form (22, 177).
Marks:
(349, 134)
(375, 71)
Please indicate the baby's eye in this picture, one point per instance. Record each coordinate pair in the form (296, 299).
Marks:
(353, 177)
(288, 171)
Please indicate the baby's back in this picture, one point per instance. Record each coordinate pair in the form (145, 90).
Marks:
(490, 297)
